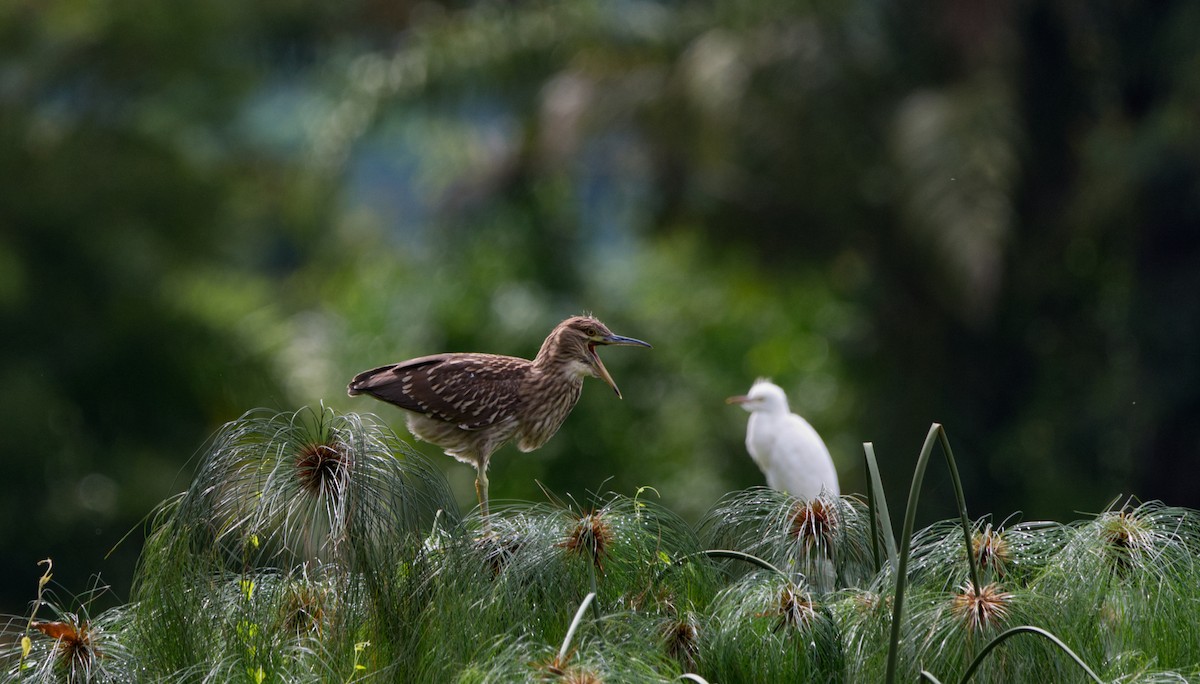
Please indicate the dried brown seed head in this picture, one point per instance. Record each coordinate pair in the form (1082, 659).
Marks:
(682, 640)
(795, 609)
(991, 550)
(983, 610)
(592, 535)
(74, 649)
(321, 469)
(814, 523)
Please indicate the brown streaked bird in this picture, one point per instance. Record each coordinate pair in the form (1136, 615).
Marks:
(471, 404)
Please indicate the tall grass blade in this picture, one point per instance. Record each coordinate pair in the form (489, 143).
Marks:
(936, 434)
(566, 644)
(877, 501)
(962, 504)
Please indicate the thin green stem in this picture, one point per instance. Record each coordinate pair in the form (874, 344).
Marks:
(877, 500)
(910, 515)
(936, 434)
(594, 588)
(42, 582)
(566, 644)
(1000, 638)
(962, 508)
(742, 556)
(867, 447)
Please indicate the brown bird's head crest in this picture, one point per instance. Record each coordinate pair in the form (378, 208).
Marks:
(571, 347)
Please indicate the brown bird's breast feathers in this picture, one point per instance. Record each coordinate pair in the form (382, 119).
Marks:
(472, 391)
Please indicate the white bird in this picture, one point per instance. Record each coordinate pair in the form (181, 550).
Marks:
(786, 448)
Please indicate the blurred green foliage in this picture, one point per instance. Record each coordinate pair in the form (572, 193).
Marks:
(902, 212)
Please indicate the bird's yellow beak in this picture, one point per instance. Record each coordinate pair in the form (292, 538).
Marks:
(739, 399)
(616, 341)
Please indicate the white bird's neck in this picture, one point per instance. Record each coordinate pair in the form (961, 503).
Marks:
(773, 409)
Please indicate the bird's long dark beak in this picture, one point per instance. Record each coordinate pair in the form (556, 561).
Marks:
(616, 341)
(621, 340)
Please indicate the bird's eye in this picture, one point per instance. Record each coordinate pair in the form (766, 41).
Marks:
(589, 331)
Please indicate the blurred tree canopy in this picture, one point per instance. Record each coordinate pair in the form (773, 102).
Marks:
(981, 214)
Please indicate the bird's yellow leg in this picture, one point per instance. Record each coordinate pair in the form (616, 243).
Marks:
(481, 489)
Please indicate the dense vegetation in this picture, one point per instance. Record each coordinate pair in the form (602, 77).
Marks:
(317, 547)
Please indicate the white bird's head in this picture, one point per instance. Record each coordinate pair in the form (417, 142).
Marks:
(764, 396)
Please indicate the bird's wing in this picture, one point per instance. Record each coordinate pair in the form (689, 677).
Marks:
(804, 462)
(472, 391)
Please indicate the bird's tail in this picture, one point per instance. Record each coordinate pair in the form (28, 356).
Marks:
(364, 381)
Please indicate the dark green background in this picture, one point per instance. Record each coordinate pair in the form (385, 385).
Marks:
(983, 214)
